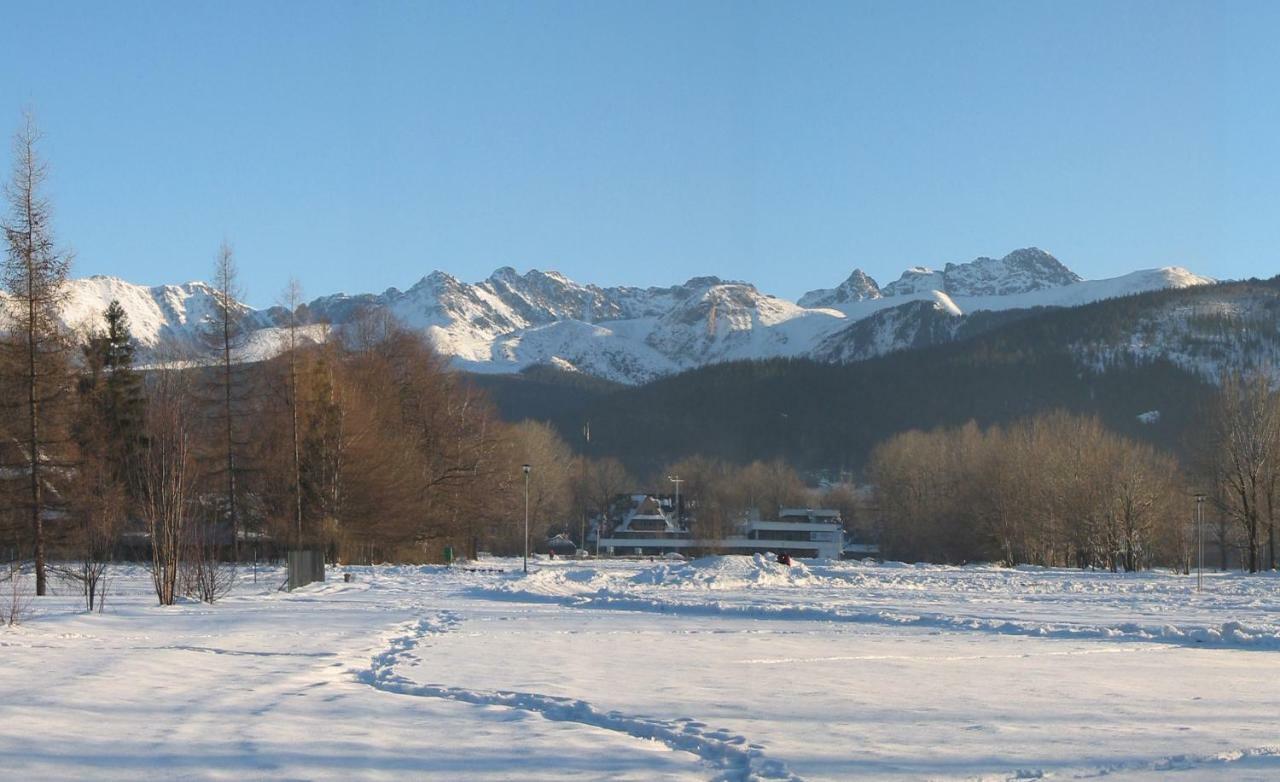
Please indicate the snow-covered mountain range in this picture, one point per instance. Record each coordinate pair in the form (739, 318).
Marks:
(510, 320)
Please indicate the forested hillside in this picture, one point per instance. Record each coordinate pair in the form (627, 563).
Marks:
(1118, 359)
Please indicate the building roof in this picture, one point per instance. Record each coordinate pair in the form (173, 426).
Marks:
(647, 508)
(809, 513)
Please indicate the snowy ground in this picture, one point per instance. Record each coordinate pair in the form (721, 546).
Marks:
(728, 668)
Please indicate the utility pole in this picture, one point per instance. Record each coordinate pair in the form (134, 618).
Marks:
(526, 518)
(1200, 497)
(677, 480)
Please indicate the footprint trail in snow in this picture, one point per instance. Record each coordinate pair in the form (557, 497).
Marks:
(733, 756)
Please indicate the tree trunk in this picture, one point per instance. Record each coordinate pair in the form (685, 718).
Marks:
(1271, 524)
(293, 411)
(33, 410)
(1253, 547)
(231, 473)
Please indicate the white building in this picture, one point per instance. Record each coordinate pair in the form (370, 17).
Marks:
(801, 532)
(649, 528)
(651, 516)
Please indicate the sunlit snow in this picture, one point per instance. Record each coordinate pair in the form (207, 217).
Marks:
(724, 668)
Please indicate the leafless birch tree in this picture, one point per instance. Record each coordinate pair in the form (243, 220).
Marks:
(1244, 448)
(167, 478)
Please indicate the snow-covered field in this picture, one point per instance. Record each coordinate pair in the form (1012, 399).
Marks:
(725, 668)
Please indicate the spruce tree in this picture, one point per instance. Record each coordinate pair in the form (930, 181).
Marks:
(115, 388)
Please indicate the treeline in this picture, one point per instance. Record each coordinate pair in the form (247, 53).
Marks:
(1238, 465)
(1061, 489)
(1055, 489)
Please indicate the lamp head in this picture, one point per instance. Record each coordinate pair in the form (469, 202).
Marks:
(526, 469)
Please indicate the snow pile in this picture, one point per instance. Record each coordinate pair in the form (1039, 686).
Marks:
(1236, 611)
(726, 573)
(557, 582)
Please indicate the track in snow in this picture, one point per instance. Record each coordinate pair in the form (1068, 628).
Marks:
(1226, 635)
(737, 759)
(1189, 762)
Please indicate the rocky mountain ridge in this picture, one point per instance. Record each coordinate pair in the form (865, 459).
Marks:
(510, 321)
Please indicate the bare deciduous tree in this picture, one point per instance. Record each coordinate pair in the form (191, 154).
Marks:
(204, 575)
(167, 477)
(709, 491)
(35, 274)
(224, 333)
(1243, 442)
(606, 478)
(291, 300)
(97, 512)
(15, 594)
(1056, 489)
(550, 482)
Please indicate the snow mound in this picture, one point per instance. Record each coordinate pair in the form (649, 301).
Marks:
(723, 573)
(1078, 605)
(558, 582)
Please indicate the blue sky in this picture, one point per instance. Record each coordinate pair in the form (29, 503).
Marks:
(360, 145)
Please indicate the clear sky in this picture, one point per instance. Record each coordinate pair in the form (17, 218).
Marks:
(360, 145)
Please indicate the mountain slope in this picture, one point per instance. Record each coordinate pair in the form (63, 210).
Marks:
(511, 321)
(877, 330)
(1120, 359)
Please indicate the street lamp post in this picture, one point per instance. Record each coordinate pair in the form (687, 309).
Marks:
(677, 480)
(526, 518)
(1200, 542)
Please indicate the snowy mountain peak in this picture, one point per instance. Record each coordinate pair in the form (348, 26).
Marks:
(505, 274)
(1182, 277)
(1021, 271)
(437, 279)
(702, 283)
(858, 287)
(511, 320)
(162, 317)
(916, 279)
